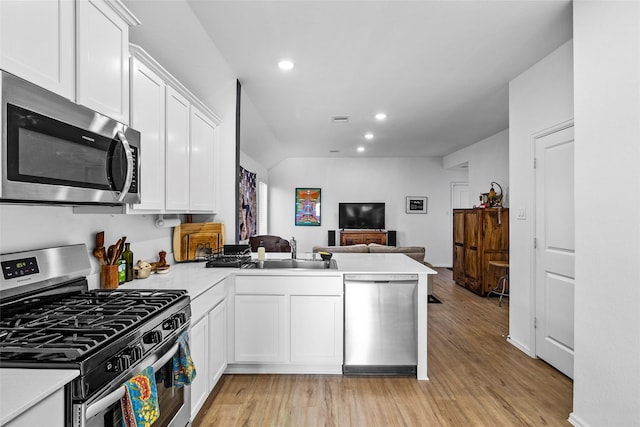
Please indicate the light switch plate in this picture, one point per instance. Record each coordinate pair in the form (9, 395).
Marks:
(522, 213)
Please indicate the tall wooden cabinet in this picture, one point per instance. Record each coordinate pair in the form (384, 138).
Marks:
(479, 236)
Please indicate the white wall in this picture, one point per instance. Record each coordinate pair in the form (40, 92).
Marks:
(488, 161)
(607, 152)
(387, 180)
(539, 98)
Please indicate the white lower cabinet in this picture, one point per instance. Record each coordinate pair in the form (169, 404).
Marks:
(287, 324)
(199, 355)
(48, 412)
(260, 328)
(208, 338)
(316, 326)
(217, 343)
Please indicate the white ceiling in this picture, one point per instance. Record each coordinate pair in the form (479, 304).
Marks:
(438, 69)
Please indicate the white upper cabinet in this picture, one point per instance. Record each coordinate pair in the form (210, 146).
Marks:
(102, 42)
(178, 151)
(77, 49)
(203, 157)
(148, 117)
(177, 146)
(37, 43)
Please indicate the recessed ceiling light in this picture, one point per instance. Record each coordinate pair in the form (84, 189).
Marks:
(368, 135)
(360, 149)
(285, 64)
(381, 116)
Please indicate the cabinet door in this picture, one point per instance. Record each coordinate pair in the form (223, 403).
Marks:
(37, 43)
(202, 168)
(217, 343)
(200, 355)
(458, 247)
(177, 152)
(458, 263)
(48, 412)
(148, 117)
(458, 227)
(260, 328)
(316, 329)
(102, 42)
(472, 266)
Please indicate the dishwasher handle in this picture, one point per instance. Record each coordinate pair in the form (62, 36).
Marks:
(380, 278)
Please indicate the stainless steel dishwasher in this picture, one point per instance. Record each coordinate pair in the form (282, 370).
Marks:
(380, 331)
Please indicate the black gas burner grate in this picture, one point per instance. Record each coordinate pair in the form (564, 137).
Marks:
(69, 327)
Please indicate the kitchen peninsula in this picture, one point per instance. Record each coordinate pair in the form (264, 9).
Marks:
(298, 314)
(279, 321)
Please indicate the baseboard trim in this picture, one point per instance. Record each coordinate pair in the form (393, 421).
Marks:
(523, 348)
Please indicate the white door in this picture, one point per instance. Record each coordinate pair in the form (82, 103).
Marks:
(460, 195)
(555, 249)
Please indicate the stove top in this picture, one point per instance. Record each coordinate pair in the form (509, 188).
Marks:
(67, 328)
(50, 320)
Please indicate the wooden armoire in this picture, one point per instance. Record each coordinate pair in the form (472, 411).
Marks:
(480, 235)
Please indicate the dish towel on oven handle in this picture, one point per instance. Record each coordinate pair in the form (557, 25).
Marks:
(184, 370)
(140, 401)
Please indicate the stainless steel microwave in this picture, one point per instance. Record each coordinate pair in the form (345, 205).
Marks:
(55, 151)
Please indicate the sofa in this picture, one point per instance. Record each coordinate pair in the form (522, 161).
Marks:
(415, 252)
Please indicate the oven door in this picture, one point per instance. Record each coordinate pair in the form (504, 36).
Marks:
(175, 403)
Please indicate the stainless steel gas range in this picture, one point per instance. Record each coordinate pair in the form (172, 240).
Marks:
(50, 320)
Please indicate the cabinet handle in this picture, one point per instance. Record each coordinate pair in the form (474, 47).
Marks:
(129, 155)
(459, 244)
(473, 248)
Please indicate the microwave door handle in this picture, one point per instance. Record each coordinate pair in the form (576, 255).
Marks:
(111, 398)
(129, 154)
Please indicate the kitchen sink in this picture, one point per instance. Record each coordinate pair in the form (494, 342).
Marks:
(301, 264)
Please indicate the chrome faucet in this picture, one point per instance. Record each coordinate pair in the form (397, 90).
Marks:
(293, 248)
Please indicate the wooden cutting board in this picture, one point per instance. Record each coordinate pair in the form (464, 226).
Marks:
(187, 237)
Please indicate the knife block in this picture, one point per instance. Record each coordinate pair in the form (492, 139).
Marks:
(109, 276)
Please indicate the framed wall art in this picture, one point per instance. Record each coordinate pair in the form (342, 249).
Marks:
(308, 206)
(416, 205)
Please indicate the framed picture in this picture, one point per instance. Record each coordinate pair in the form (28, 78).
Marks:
(308, 206)
(416, 205)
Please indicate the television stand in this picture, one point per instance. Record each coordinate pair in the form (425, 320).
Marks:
(354, 237)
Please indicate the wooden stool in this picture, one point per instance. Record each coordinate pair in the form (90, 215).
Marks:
(501, 287)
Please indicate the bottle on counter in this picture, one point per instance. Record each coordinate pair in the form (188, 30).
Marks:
(261, 251)
(127, 256)
(122, 270)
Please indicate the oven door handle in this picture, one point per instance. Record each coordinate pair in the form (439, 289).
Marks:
(111, 398)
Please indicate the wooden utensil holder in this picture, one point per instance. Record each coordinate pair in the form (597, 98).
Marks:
(109, 276)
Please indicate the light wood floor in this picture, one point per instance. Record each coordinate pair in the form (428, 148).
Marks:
(475, 379)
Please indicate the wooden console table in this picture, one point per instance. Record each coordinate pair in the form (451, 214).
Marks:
(354, 237)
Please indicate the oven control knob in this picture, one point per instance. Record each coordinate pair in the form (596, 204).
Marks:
(182, 318)
(134, 353)
(174, 322)
(152, 337)
(119, 363)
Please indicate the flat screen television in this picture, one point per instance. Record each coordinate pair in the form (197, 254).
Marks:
(368, 216)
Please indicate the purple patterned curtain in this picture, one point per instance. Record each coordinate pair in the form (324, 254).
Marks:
(247, 216)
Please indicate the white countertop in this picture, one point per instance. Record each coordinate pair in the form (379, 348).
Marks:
(196, 278)
(20, 389)
(17, 391)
